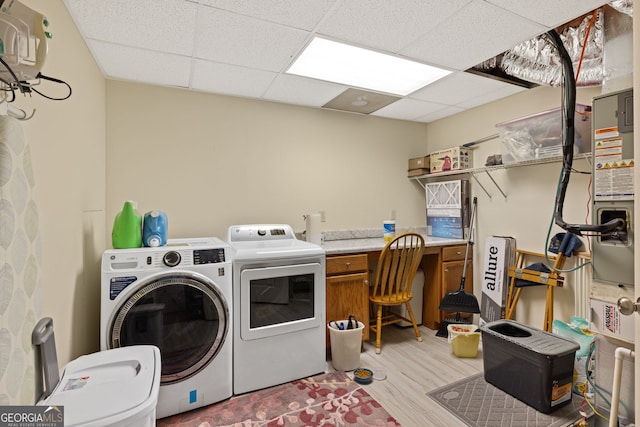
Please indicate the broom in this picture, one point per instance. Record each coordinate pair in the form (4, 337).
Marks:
(461, 301)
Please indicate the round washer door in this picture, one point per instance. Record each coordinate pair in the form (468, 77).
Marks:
(182, 313)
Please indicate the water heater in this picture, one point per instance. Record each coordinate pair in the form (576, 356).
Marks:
(613, 187)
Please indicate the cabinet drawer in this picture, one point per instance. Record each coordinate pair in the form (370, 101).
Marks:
(344, 264)
(455, 253)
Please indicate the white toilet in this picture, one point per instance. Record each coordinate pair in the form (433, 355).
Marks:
(116, 387)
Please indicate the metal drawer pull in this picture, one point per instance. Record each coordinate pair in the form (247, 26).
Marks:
(348, 265)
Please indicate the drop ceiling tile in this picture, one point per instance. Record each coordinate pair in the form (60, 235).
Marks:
(550, 13)
(294, 13)
(502, 92)
(168, 26)
(440, 114)
(239, 40)
(408, 109)
(248, 42)
(389, 25)
(477, 32)
(457, 87)
(302, 91)
(127, 63)
(230, 79)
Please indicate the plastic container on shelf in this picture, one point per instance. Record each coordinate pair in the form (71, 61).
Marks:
(539, 135)
(464, 340)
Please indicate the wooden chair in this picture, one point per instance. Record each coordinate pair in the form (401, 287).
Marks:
(397, 265)
(537, 274)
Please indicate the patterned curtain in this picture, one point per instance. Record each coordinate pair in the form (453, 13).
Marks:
(20, 264)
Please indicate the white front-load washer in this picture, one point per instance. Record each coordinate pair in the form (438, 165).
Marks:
(178, 298)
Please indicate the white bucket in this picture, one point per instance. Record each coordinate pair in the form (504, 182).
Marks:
(345, 345)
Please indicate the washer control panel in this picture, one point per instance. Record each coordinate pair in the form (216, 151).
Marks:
(167, 257)
(260, 232)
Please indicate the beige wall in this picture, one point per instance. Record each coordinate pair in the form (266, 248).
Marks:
(243, 161)
(67, 142)
(211, 161)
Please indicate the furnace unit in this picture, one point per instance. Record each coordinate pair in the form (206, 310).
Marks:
(613, 187)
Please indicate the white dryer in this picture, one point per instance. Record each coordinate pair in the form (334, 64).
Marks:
(178, 298)
(279, 331)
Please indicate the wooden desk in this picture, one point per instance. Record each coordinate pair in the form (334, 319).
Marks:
(348, 278)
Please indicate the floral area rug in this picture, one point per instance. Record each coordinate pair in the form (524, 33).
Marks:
(331, 399)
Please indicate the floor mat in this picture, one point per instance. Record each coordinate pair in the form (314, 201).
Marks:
(331, 399)
(480, 404)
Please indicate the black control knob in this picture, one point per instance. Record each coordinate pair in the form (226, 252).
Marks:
(262, 232)
(171, 259)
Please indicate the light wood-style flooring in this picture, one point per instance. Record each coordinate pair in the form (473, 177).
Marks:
(412, 370)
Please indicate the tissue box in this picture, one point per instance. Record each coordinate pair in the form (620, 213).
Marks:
(451, 159)
(540, 135)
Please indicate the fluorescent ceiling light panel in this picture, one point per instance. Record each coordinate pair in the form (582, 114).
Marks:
(341, 63)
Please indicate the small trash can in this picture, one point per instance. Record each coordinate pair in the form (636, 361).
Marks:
(345, 344)
(464, 340)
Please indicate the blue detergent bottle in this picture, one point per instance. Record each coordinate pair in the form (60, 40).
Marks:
(154, 229)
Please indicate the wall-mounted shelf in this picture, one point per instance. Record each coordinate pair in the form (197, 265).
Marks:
(488, 170)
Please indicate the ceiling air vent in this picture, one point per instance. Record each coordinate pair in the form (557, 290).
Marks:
(360, 101)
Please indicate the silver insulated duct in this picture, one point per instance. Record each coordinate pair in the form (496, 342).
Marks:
(599, 44)
(537, 61)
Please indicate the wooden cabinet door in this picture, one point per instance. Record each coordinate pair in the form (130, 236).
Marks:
(348, 294)
(451, 276)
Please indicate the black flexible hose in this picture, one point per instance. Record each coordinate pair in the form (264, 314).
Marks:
(568, 110)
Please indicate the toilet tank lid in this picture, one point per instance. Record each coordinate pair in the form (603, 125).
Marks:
(108, 386)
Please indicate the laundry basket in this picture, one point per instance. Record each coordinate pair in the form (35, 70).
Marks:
(345, 344)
